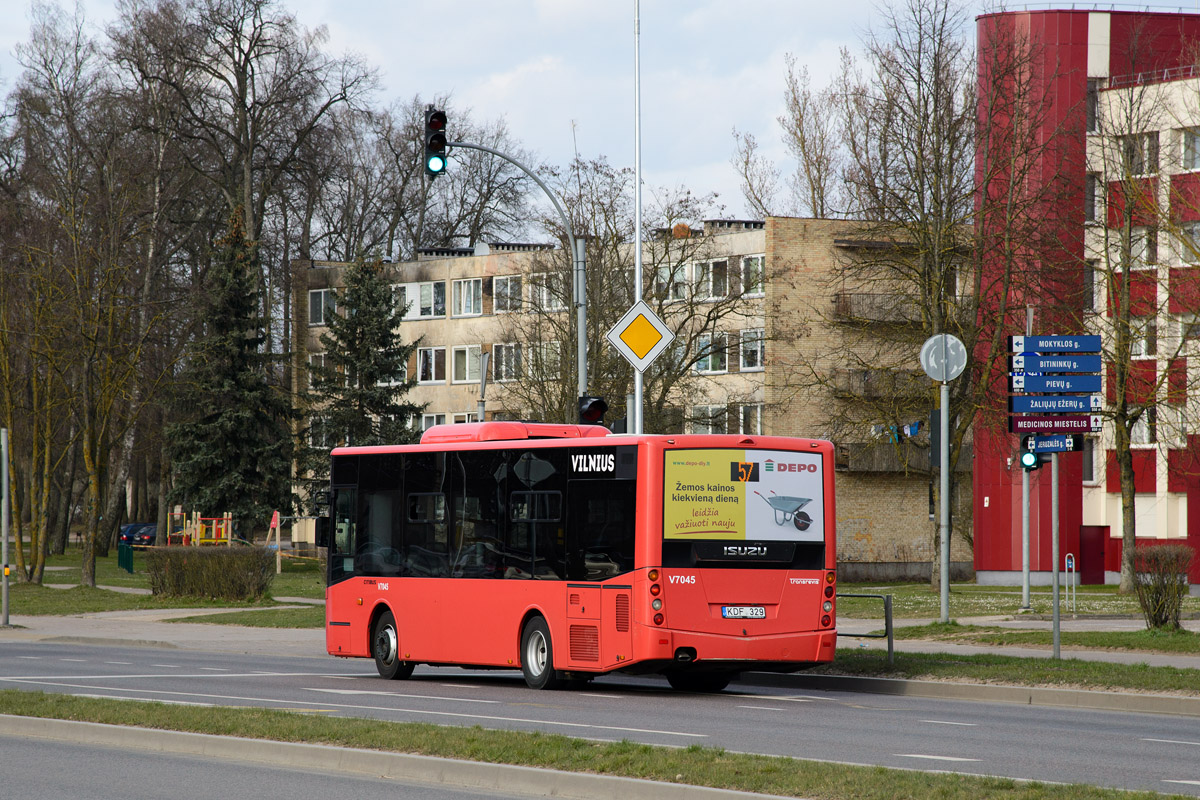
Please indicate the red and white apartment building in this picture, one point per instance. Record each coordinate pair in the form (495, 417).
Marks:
(1113, 83)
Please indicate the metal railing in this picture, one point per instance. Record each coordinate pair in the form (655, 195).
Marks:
(887, 621)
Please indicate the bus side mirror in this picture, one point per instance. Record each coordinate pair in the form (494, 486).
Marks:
(323, 532)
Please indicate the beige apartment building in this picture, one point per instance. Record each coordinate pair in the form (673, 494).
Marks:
(773, 365)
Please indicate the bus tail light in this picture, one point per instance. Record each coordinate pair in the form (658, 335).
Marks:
(656, 604)
(655, 589)
(827, 607)
(652, 574)
(658, 619)
(825, 621)
(829, 591)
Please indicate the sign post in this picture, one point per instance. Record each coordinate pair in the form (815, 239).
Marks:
(640, 336)
(944, 357)
(1042, 365)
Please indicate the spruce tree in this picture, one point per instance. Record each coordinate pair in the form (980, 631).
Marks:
(232, 449)
(356, 396)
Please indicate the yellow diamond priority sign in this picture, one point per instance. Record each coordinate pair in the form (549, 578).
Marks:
(640, 336)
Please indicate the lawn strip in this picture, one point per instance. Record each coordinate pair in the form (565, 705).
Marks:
(309, 617)
(1065, 673)
(697, 766)
(1146, 641)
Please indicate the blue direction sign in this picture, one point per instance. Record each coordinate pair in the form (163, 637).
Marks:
(1080, 424)
(1069, 443)
(1030, 362)
(1054, 404)
(1054, 383)
(1054, 344)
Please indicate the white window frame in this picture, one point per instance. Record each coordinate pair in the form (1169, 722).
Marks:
(750, 419)
(1144, 432)
(546, 361)
(403, 379)
(1189, 149)
(753, 278)
(1143, 336)
(400, 300)
(753, 342)
(427, 305)
(706, 283)
(717, 416)
(464, 367)
(428, 356)
(467, 297)
(326, 305)
(466, 416)
(1146, 160)
(320, 435)
(506, 361)
(429, 420)
(1189, 242)
(504, 299)
(548, 291)
(716, 348)
(314, 360)
(1093, 197)
(671, 281)
(1189, 327)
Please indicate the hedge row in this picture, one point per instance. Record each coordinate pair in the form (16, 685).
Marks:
(227, 573)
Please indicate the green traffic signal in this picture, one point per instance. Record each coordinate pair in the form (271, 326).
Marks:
(1030, 460)
(435, 141)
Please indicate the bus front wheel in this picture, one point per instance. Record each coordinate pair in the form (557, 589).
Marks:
(537, 655)
(385, 647)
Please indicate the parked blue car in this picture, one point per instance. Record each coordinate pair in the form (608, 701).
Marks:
(139, 534)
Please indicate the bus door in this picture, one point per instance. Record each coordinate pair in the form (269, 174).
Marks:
(341, 566)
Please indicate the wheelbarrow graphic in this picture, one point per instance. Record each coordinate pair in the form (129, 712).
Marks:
(787, 509)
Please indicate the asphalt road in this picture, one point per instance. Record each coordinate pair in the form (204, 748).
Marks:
(1113, 749)
(40, 768)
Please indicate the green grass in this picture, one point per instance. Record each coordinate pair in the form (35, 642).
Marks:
(313, 617)
(34, 600)
(918, 600)
(697, 766)
(1064, 673)
(1146, 641)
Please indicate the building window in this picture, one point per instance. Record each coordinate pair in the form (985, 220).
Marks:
(1145, 430)
(466, 364)
(429, 420)
(753, 350)
(750, 419)
(1140, 153)
(753, 281)
(1143, 247)
(1093, 103)
(1143, 337)
(712, 279)
(316, 361)
(1191, 148)
(712, 350)
(547, 360)
(431, 365)
(320, 434)
(433, 299)
(468, 297)
(1091, 196)
(321, 305)
(467, 416)
(506, 294)
(1090, 285)
(506, 362)
(1089, 459)
(1189, 242)
(708, 419)
(671, 281)
(400, 300)
(1174, 425)
(400, 379)
(1189, 327)
(548, 291)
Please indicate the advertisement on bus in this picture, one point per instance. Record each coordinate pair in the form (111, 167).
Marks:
(762, 495)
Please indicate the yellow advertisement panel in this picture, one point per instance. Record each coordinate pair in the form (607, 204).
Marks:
(762, 495)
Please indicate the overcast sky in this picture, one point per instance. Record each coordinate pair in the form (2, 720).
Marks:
(561, 72)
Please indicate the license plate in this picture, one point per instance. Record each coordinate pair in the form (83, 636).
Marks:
(744, 612)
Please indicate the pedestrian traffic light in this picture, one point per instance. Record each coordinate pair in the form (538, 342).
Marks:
(591, 410)
(435, 141)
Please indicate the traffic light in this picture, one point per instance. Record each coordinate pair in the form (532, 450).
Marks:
(435, 141)
(1031, 460)
(591, 410)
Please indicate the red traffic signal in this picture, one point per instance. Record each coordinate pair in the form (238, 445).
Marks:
(592, 410)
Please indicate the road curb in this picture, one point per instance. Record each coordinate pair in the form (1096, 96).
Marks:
(1177, 705)
(376, 764)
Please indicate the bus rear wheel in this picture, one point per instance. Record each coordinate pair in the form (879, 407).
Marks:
(699, 681)
(385, 647)
(537, 655)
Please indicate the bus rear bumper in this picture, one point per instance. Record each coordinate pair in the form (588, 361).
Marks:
(687, 647)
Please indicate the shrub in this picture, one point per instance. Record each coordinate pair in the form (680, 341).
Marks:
(227, 573)
(1162, 583)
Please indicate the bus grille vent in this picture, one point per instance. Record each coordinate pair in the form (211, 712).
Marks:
(574, 600)
(585, 643)
(623, 613)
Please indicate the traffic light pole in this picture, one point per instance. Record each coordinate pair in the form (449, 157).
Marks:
(578, 257)
(1025, 501)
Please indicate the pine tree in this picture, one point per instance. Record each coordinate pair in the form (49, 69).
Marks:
(356, 396)
(232, 450)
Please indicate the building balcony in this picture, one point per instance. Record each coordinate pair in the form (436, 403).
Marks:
(875, 384)
(874, 308)
(886, 457)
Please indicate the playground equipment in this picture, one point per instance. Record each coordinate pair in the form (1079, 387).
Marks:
(193, 529)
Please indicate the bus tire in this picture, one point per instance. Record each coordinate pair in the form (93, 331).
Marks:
(385, 647)
(699, 681)
(537, 655)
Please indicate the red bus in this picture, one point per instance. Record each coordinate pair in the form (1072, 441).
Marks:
(567, 552)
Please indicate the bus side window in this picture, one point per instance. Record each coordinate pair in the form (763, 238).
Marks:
(345, 516)
(425, 549)
(476, 547)
(538, 518)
